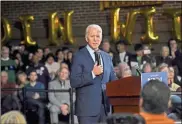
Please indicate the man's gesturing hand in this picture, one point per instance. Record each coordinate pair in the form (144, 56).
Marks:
(97, 69)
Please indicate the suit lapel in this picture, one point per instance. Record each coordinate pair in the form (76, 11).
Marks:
(87, 54)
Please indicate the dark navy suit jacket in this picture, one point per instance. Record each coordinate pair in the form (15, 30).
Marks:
(89, 90)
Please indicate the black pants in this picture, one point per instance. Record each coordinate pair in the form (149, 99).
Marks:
(32, 104)
(101, 117)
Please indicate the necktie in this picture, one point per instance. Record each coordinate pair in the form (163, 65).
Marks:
(97, 58)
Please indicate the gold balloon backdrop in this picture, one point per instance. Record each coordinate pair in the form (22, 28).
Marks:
(126, 30)
(176, 19)
(65, 29)
(119, 30)
(7, 30)
(26, 25)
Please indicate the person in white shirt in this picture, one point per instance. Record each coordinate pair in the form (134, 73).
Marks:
(122, 55)
(51, 65)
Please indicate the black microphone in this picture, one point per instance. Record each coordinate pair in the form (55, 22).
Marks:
(97, 58)
(138, 70)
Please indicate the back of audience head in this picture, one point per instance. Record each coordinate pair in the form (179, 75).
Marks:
(147, 68)
(154, 97)
(64, 65)
(125, 118)
(13, 117)
(175, 107)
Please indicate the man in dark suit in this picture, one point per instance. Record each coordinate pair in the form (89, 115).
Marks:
(91, 70)
(122, 55)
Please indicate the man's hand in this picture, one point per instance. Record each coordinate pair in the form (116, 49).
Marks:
(64, 109)
(36, 96)
(97, 70)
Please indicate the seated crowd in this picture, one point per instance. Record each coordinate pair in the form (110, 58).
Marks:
(41, 69)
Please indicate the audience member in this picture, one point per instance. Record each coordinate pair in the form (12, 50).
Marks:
(122, 55)
(51, 65)
(154, 102)
(147, 68)
(59, 56)
(39, 53)
(124, 70)
(9, 99)
(21, 79)
(65, 53)
(35, 99)
(106, 47)
(69, 60)
(64, 65)
(13, 117)
(173, 86)
(41, 70)
(170, 75)
(46, 51)
(139, 59)
(175, 108)
(176, 54)
(164, 57)
(8, 64)
(59, 101)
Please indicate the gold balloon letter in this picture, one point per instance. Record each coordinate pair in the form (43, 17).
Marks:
(65, 29)
(149, 36)
(118, 29)
(26, 20)
(7, 30)
(176, 17)
(115, 27)
(125, 31)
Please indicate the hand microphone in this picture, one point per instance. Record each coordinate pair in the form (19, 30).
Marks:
(97, 58)
(138, 70)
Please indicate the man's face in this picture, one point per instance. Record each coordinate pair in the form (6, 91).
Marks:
(5, 52)
(139, 52)
(33, 76)
(94, 38)
(63, 75)
(165, 52)
(106, 46)
(47, 51)
(4, 77)
(40, 53)
(121, 48)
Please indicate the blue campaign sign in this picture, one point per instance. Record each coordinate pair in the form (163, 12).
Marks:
(145, 77)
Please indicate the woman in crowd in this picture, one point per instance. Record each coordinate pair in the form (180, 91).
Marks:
(59, 56)
(69, 60)
(51, 65)
(21, 79)
(173, 86)
(170, 73)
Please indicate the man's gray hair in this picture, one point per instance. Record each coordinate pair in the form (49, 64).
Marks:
(93, 26)
(161, 66)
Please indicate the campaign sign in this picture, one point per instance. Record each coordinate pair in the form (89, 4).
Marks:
(145, 77)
